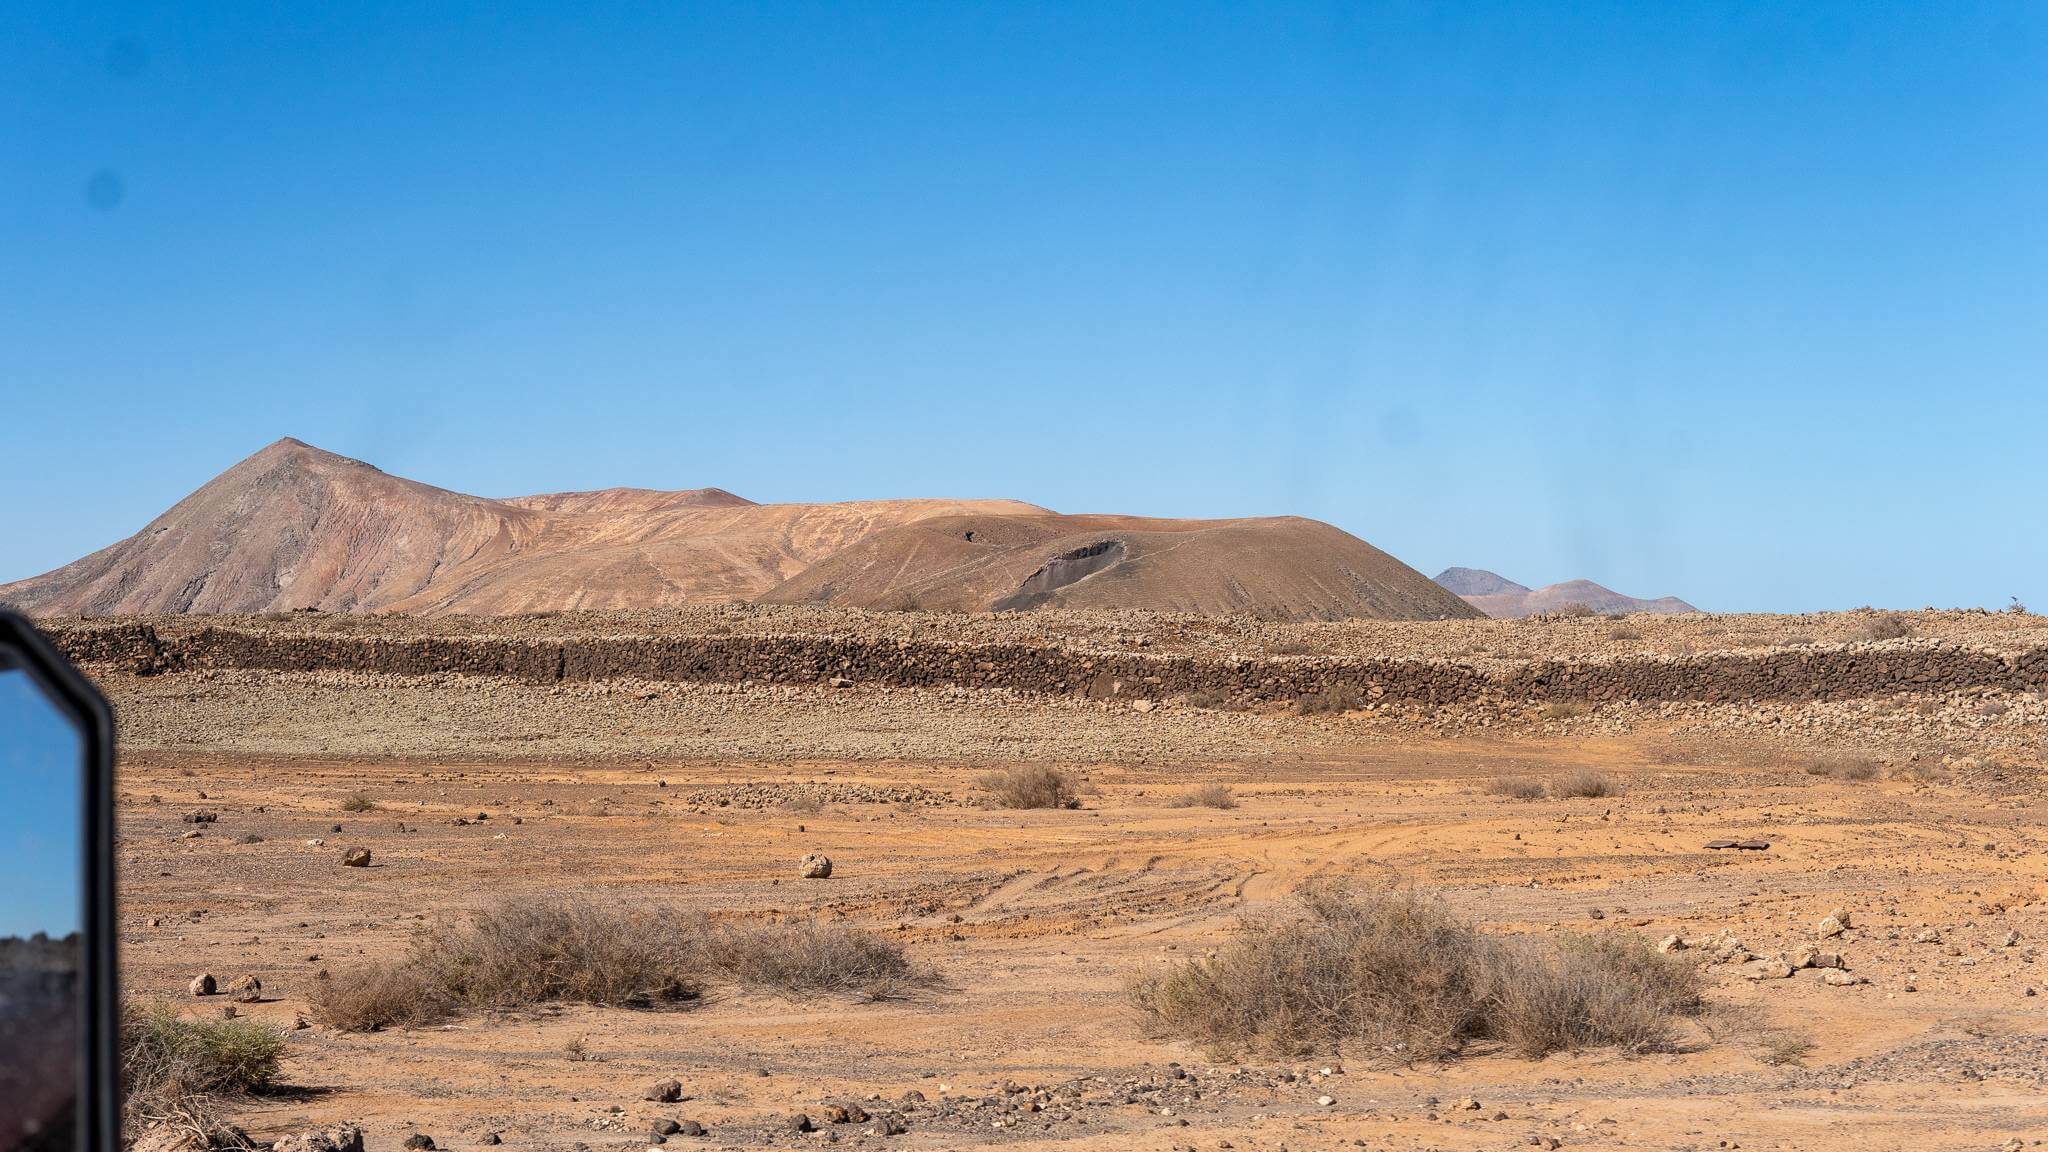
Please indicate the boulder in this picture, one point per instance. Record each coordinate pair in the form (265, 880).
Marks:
(816, 866)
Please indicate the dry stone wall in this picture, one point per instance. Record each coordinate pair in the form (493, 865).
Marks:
(1805, 673)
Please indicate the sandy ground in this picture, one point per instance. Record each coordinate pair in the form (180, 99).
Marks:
(1037, 920)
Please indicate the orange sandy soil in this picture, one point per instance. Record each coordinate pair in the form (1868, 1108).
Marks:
(1037, 920)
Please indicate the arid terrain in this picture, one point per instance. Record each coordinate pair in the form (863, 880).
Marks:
(1911, 807)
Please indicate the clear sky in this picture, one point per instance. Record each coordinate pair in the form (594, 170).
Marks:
(41, 821)
(1744, 303)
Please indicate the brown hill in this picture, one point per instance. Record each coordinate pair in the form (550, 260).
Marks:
(1499, 597)
(1282, 566)
(295, 527)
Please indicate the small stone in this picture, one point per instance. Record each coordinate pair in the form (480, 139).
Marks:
(356, 858)
(419, 1142)
(1469, 1104)
(801, 1123)
(1325, 1101)
(666, 1127)
(816, 866)
(691, 1128)
(664, 1091)
(340, 1138)
(491, 1138)
(1839, 979)
(1672, 943)
(204, 984)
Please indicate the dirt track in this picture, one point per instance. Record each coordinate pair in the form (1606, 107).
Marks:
(1037, 919)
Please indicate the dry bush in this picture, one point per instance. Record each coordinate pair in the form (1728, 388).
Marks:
(1205, 796)
(1623, 632)
(1887, 626)
(173, 1069)
(1335, 698)
(1517, 787)
(1993, 709)
(1289, 648)
(805, 804)
(1852, 767)
(1398, 974)
(1031, 786)
(1613, 990)
(373, 997)
(521, 952)
(1585, 783)
(1562, 710)
(1569, 611)
(1817, 768)
(809, 958)
(358, 802)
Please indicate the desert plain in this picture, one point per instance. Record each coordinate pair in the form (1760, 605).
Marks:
(1908, 807)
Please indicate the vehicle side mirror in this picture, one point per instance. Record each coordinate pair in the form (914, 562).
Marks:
(58, 1078)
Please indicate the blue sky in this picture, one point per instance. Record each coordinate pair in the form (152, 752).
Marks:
(1736, 302)
(40, 822)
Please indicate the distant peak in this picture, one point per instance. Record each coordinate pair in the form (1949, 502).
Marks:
(1477, 582)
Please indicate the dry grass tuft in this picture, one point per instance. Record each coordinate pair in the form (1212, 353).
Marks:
(560, 949)
(1205, 796)
(1585, 783)
(807, 958)
(1031, 786)
(175, 1069)
(1398, 974)
(1846, 767)
(358, 802)
(373, 997)
(1515, 787)
(1887, 626)
(1562, 710)
(557, 948)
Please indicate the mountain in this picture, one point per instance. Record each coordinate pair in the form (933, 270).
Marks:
(296, 527)
(1501, 597)
(1280, 566)
(1478, 582)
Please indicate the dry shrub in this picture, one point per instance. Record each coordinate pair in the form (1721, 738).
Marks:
(518, 953)
(1993, 709)
(801, 803)
(1399, 974)
(1613, 990)
(1335, 698)
(1585, 783)
(1205, 796)
(373, 997)
(1516, 787)
(1031, 786)
(1887, 626)
(173, 1068)
(1289, 648)
(1394, 971)
(1562, 710)
(558, 948)
(1572, 610)
(358, 802)
(1845, 767)
(1623, 632)
(809, 958)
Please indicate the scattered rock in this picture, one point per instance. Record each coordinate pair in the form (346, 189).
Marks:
(691, 1128)
(204, 984)
(247, 989)
(356, 858)
(800, 1123)
(816, 866)
(419, 1142)
(339, 1138)
(664, 1092)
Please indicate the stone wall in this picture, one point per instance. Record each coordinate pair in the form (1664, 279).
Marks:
(1803, 673)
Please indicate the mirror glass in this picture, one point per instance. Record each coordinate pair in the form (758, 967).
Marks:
(42, 828)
